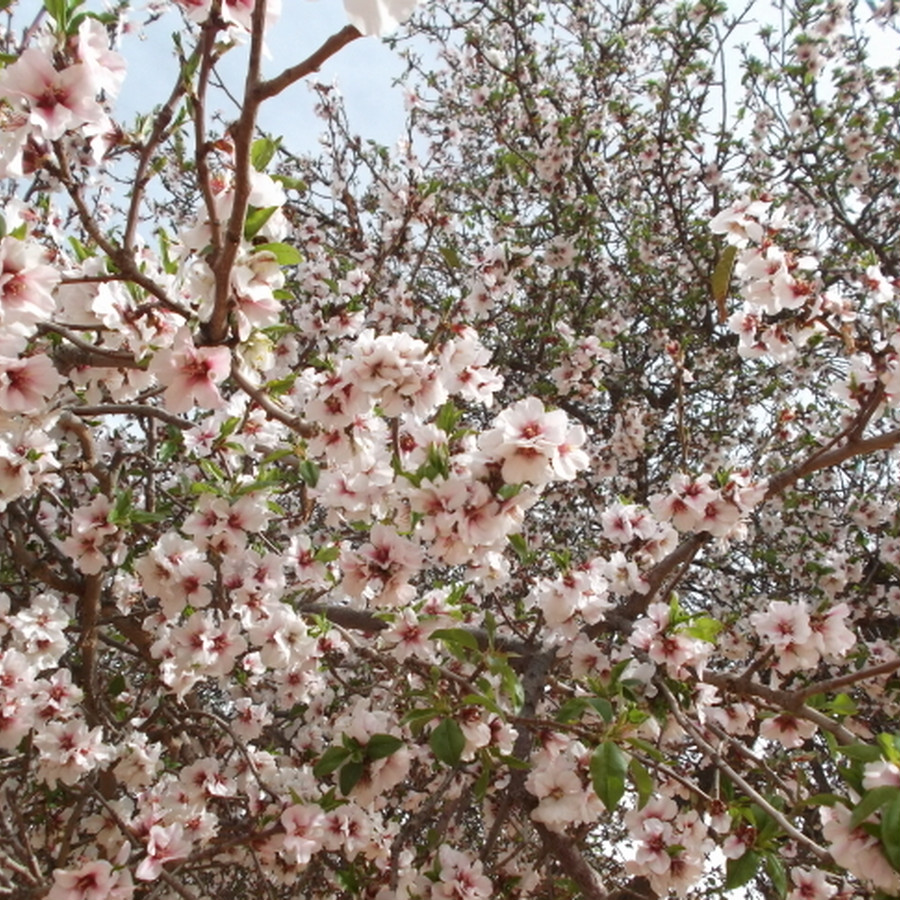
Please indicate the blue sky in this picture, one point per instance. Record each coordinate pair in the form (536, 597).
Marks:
(364, 72)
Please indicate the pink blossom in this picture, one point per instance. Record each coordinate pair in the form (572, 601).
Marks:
(525, 441)
(57, 101)
(810, 884)
(26, 384)
(461, 877)
(790, 731)
(26, 285)
(164, 843)
(94, 880)
(190, 374)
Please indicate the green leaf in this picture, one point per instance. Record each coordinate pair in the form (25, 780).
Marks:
(448, 742)
(823, 800)
(309, 472)
(775, 868)
(484, 780)
(330, 760)
(350, 776)
(705, 628)
(285, 254)
(456, 636)
(120, 513)
(290, 183)
(890, 831)
(116, 685)
(890, 747)
(262, 151)
(327, 554)
(451, 257)
(382, 745)
(739, 871)
(721, 277)
(256, 219)
(418, 718)
(642, 781)
(872, 801)
(520, 545)
(861, 752)
(604, 707)
(447, 417)
(608, 769)
(81, 252)
(842, 705)
(572, 709)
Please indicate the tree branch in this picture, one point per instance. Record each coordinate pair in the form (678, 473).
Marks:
(312, 63)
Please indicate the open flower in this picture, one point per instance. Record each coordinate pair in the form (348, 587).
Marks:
(190, 374)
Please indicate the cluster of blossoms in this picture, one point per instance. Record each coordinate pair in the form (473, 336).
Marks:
(48, 99)
(314, 589)
(699, 505)
(670, 845)
(799, 639)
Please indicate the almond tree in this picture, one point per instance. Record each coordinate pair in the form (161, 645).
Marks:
(512, 511)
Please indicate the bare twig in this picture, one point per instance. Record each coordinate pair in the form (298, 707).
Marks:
(787, 826)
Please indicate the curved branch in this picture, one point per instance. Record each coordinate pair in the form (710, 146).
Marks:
(304, 429)
(311, 64)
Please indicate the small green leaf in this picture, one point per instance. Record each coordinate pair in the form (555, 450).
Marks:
(285, 254)
(642, 781)
(330, 760)
(608, 769)
(448, 742)
(290, 183)
(775, 868)
(451, 257)
(350, 776)
(705, 628)
(256, 219)
(327, 554)
(842, 705)
(456, 636)
(447, 417)
(520, 545)
(872, 801)
(120, 513)
(604, 707)
(81, 252)
(262, 151)
(572, 709)
(890, 831)
(309, 472)
(861, 752)
(890, 747)
(382, 745)
(721, 277)
(116, 685)
(739, 871)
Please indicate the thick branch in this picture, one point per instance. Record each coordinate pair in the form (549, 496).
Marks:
(309, 65)
(242, 133)
(832, 457)
(564, 850)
